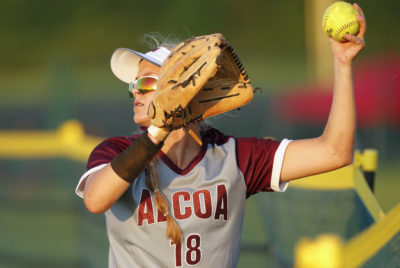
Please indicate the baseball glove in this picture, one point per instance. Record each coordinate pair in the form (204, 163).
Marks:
(202, 77)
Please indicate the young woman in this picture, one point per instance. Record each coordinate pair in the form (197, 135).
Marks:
(170, 202)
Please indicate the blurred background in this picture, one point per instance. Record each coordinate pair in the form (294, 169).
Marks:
(54, 67)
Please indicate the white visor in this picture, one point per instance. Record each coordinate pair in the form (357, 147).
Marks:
(125, 61)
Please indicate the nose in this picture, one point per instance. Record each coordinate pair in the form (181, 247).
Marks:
(135, 92)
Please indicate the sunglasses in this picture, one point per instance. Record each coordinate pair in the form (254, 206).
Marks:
(144, 85)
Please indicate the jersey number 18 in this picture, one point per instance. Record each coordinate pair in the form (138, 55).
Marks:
(192, 254)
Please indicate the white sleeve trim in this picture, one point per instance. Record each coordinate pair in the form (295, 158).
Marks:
(276, 185)
(81, 184)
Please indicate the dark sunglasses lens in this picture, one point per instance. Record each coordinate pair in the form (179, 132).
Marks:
(146, 84)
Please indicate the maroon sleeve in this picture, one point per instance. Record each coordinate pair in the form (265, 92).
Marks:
(255, 158)
(107, 150)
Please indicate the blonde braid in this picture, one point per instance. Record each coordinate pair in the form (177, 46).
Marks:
(152, 181)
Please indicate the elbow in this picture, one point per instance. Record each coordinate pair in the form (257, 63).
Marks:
(343, 156)
(94, 205)
(95, 198)
(340, 149)
(345, 160)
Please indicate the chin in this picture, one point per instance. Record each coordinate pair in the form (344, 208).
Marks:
(143, 122)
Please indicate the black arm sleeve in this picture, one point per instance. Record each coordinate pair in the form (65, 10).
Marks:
(135, 158)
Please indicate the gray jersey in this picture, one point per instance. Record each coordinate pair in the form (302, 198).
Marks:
(207, 199)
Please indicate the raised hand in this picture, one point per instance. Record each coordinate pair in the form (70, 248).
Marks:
(345, 52)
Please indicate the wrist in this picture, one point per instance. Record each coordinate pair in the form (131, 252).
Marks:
(342, 67)
(160, 134)
(343, 63)
(128, 164)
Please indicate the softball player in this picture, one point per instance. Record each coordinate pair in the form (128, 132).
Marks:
(186, 207)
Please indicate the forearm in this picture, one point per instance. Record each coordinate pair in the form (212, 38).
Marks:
(340, 129)
(334, 148)
(105, 186)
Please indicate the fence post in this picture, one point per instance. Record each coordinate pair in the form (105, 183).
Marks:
(325, 251)
(369, 166)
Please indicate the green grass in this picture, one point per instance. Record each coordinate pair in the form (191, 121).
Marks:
(39, 234)
(387, 185)
(253, 234)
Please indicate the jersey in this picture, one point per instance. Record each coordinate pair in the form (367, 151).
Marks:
(207, 199)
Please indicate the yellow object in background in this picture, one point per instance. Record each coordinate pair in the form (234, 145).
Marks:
(69, 141)
(326, 251)
(329, 250)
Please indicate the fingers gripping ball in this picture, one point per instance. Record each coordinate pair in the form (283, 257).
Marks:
(339, 19)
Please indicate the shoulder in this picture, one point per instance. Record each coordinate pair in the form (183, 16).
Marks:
(256, 151)
(254, 142)
(214, 136)
(117, 142)
(108, 149)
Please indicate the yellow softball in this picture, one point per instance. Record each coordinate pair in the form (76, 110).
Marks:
(339, 19)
